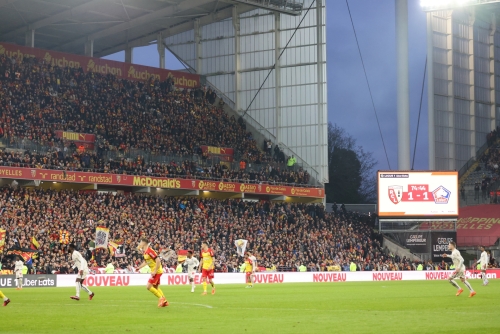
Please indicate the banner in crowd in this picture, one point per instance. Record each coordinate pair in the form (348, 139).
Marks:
(439, 244)
(25, 253)
(2, 239)
(416, 242)
(86, 140)
(75, 136)
(29, 281)
(35, 246)
(225, 153)
(102, 66)
(182, 255)
(101, 237)
(64, 237)
(116, 249)
(156, 182)
(273, 277)
(241, 246)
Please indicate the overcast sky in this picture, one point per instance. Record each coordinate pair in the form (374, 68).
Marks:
(349, 103)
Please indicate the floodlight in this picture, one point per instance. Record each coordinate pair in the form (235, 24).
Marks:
(430, 5)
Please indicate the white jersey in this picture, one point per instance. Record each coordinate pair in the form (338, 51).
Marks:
(191, 264)
(79, 261)
(483, 260)
(254, 262)
(18, 268)
(458, 260)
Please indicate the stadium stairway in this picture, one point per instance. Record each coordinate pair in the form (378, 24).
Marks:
(399, 250)
(260, 133)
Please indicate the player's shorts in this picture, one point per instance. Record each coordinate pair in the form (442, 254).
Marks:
(207, 273)
(192, 274)
(84, 274)
(155, 280)
(484, 267)
(19, 275)
(460, 274)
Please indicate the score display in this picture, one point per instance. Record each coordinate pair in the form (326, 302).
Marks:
(417, 193)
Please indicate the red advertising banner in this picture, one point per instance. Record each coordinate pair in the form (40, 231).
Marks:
(102, 66)
(476, 225)
(156, 182)
(75, 136)
(226, 153)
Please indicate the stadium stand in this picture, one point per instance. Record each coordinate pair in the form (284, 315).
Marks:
(481, 185)
(38, 99)
(284, 236)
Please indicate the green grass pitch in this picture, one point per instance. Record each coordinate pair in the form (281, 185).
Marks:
(371, 307)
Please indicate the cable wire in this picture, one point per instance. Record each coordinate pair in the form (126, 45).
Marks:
(419, 112)
(279, 57)
(368, 83)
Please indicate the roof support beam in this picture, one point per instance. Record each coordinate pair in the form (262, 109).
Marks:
(144, 19)
(5, 3)
(186, 26)
(65, 14)
(167, 11)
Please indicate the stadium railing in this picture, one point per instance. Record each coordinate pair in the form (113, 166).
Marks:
(22, 145)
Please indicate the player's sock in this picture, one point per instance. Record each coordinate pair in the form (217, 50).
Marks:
(161, 292)
(77, 289)
(155, 292)
(204, 286)
(86, 289)
(20, 283)
(192, 286)
(455, 284)
(3, 296)
(212, 284)
(467, 284)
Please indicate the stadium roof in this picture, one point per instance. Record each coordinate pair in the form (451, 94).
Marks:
(112, 25)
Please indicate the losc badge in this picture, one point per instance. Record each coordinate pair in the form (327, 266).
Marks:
(441, 195)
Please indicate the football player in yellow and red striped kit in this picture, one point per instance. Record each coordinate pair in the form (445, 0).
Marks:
(152, 260)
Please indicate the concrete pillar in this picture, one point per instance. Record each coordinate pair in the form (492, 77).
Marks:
(89, 48)
(430, 94)
(322, 138)
(197, 46)
(277, 73)
(237, 74)
(29, 38)
(161, 50)
(403, 111)
(129, 55)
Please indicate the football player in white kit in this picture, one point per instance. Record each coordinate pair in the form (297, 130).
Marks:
(192, 264)
(483, 261)
(459, 272)
(18, 269)
(254, 264)
(83, 271)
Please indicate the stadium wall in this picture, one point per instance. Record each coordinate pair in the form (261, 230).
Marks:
(237, 54)
(8, 281)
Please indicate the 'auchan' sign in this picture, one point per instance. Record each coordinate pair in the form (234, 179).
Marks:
(102, 66)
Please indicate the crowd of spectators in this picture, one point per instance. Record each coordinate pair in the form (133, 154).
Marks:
(92, 162)
(37, 98)
(283, 236)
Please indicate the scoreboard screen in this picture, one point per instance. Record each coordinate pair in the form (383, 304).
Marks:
(417, 193)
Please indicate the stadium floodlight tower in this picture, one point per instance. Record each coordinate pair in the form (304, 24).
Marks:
(431, 5)
(463, 48)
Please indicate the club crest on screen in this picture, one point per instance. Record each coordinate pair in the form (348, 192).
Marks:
(441, 195)
(395, 194)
